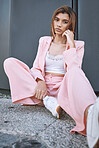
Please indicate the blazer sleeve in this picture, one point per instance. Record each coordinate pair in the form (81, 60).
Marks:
(74, 56)
(35, 70)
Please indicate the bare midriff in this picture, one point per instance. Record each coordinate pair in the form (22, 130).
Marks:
(54, 74)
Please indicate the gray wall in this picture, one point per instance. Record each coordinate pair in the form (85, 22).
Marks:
(88, 30)
(31, 19)
(23, 22)
(27, 21)
(5, 7)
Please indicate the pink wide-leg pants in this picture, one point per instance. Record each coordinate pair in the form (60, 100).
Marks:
(73, 91)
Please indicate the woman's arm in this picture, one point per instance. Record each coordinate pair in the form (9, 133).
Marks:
(74, 56)
(41, 89)
(35, 70)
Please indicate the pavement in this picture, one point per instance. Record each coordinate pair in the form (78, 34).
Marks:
(35, 127)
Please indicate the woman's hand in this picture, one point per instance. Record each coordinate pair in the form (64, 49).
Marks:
(40, 90)
(70, 38)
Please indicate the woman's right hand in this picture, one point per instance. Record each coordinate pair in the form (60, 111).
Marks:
(40, 90)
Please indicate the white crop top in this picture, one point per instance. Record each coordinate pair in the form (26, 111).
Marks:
(54, 64)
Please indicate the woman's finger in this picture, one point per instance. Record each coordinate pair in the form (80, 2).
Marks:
(42, 94)
(64, 34)
(36, 95)
(45, 93)
(39, 94)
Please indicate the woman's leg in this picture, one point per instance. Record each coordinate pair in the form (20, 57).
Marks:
(75, 95)
(50, 101)
(22, 83)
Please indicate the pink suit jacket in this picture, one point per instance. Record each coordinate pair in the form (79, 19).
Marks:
(73, 56)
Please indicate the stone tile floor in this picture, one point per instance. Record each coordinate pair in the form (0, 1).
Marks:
(36, 123)
(23, 125)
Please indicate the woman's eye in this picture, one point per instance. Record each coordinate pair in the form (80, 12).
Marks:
(56, 19)
(65, 22)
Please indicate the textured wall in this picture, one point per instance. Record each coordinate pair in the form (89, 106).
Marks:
(5, 7)
(88, 30)
(24, 22)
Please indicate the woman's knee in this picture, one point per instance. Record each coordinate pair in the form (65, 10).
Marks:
(8, 62)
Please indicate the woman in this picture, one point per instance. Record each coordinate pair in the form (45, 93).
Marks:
(56, 79)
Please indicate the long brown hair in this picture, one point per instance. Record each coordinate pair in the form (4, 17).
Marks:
(72, 18)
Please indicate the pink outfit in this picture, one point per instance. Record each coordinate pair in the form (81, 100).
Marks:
(73, 91)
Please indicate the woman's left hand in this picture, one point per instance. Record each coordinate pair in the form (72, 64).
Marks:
(70, 38)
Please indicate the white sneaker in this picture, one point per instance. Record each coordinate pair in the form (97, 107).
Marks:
(93, 124)
(51, 104)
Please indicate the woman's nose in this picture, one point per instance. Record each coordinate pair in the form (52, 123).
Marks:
(59, 23)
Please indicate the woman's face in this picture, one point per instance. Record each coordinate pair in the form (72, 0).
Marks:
(61, 23)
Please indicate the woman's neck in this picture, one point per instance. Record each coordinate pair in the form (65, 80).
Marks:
(59, 39)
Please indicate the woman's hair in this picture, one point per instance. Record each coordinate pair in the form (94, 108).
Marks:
(72, 18)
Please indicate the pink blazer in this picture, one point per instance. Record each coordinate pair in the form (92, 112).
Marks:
(73, 56)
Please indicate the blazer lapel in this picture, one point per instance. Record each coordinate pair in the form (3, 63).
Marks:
(46, 46)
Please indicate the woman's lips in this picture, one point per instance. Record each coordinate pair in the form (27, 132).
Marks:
(57, 29)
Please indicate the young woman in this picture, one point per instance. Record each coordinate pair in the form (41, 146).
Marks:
(56, 79)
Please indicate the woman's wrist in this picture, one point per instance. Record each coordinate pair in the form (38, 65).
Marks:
(72, 45)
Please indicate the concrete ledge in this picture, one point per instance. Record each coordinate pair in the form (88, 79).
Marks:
(37, 123)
